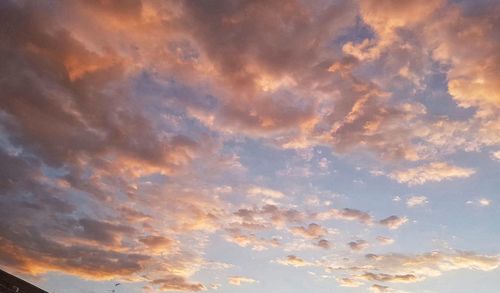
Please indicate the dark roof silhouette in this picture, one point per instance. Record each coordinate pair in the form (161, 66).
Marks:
(12, 284)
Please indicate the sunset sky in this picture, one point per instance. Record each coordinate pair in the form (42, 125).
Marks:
(276, 146)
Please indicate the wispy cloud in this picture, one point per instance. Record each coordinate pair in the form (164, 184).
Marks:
(239, 280)
(432, 172)
(416, 200)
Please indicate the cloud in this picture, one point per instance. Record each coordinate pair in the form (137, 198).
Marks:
(90, 262)
(415, 268)
(358, 245)
(379, 288)
(295, 261)
(385, 17)
(239, 280)
(323, 243)
(71, 105)
(250, 94)
(130, 214)
(345, 214)
(254, 73)
(416, 200)
(119, 118)
(109, 246)
(385, 240)
(175, 283)
(237, 236)
(40, 233)
(446, 262)
(157, 242)
(348, 282)
(102, 232)
(376, 288)
(484, 202)
(472, 79)
(265, 192)
(393, 222)
(404, 268)
(279, 217)
(407, 278)
(311, 231)
(436, 171)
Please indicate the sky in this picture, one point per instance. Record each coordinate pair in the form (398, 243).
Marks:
(251, 146)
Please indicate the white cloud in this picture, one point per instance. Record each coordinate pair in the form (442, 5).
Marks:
(432, 172)
(265, 192)
(484, 202)
(416, 200)
(411, 268)
(346, 214)
(323, 164)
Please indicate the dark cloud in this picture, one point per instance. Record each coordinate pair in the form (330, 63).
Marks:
(277, 216)
(347, 214)
(393, 222)
(29, 251)
(323, 243)
(258, 47)
(358, 245)
(312, 230)
(72, 133)
(62, 101)
(102, 232)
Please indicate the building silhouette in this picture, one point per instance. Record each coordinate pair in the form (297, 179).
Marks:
(12, 284)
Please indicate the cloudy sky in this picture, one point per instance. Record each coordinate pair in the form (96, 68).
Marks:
(251, 146)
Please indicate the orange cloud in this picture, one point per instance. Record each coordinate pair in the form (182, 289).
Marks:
(311, 231)
(436, 171)
(157, 243)
(250, 240)
(349, 282)
(176, 283)
(295, 261)
(239, 280)
(473, 79)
